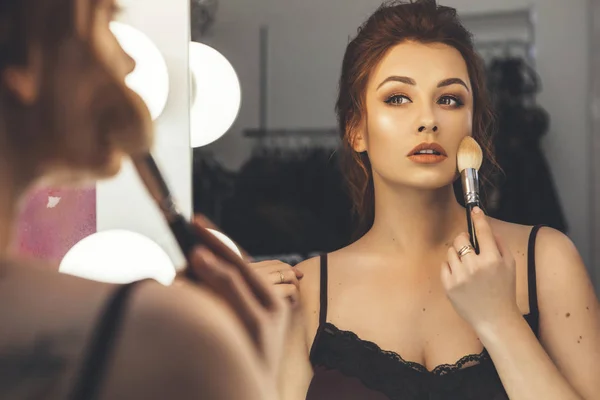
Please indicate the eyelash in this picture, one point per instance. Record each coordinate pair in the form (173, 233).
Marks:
(458, 100)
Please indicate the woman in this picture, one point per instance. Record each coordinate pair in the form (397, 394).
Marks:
(409, 311)
(66, 116)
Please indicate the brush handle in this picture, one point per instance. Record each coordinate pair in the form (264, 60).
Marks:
(472, 233)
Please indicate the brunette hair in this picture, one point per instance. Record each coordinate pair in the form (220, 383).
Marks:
(82, 114)
(394, 22)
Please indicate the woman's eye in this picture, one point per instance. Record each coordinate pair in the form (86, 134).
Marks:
(450, 101)
(397, 100)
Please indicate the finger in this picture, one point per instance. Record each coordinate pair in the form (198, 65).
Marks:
(200, 220)
(226, 282)
(269, 268)
(483, 230)
(461, 242)
(299, 274)
(287, 292)
(282, 277)
(259, 287)
(457, 269)
(266, 263)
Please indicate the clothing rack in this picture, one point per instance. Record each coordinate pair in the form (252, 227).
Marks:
(294, 139)
(504, 33)
(507, 48)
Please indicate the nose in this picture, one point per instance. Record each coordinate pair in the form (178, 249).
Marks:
(428, 128)
(427, 123)
(129, 63)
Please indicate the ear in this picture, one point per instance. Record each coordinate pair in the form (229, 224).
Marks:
(358, 138)
(23, 82)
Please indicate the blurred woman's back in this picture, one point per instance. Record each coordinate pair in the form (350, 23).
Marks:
(66, 116)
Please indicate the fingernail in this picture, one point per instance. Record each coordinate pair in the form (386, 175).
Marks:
(476, 210)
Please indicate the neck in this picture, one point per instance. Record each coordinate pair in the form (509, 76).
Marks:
(415, 220)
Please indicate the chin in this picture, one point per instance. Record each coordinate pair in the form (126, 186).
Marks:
(431, 179)
(78, 175)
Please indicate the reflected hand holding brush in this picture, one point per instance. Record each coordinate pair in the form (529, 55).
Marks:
(265, 316)
(469, 160)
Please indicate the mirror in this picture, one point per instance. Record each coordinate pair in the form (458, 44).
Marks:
(272, 182)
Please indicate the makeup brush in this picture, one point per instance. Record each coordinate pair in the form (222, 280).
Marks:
(187, 235)
(469, 159)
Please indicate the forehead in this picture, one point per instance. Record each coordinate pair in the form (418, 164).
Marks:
(427, 63)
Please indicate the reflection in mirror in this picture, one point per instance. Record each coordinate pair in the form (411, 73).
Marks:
(215, 94)
(271, 174)
(358, 165)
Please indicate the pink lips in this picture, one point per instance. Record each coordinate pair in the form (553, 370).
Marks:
(428, 153)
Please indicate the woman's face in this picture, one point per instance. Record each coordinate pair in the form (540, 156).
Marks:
(110, 121)
(418, 94)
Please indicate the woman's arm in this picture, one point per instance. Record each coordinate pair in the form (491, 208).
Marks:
(566, 365)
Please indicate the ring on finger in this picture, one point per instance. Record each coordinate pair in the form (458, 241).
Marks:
(464, 251)
(281, 277)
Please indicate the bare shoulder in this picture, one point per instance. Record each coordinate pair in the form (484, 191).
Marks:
(173, 342)
(311, 268)
(184, 342)
(550, 244)
(559, 266)
(310, 294)
(516, 236)
(311, 282)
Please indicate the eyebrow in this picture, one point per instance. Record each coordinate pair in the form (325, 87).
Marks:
(410, 81)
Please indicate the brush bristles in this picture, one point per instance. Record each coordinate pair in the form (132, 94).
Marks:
(469, 154)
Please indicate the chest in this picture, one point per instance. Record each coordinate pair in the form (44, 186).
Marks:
(416, 321)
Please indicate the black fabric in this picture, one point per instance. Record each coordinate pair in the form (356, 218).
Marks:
(525, 193)
(534, 311)
(94, 367)
(291, 202)
(354, 369)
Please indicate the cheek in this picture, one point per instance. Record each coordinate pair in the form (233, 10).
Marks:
(388, 128)
(460, 122)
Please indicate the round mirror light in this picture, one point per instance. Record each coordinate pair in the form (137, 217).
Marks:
(118, 256)
(150, 78)
(228, 242)
(215, 94)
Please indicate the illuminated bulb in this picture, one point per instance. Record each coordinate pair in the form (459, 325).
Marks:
(228, 242)
(215, 94)
(118, 256)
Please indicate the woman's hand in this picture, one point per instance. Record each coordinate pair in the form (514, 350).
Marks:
(265, 315)
(283, 277)
(482, 287)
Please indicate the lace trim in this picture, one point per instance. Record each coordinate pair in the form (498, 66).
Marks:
(442, 369)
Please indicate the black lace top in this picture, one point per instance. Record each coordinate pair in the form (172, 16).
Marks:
(347, 367)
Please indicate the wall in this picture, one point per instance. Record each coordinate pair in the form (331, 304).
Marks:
(307, 40)
(595, 137)
(122, 203)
